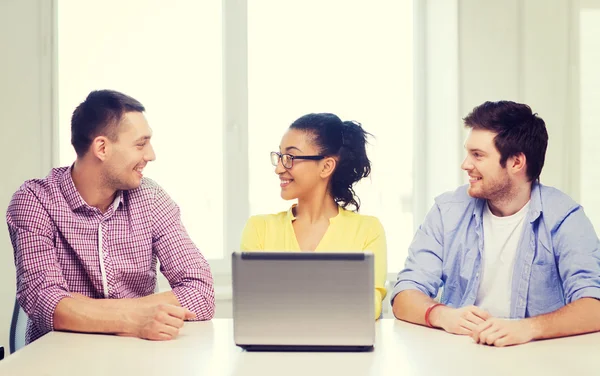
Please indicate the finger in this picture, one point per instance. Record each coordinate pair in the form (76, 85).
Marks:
(467, 324)
(483, 336)
(174, 311)
(480, 313)
(503, 341)
(493, 337)
(189, 315)
(162, 337)
(474, 318)
(160, 332)
(483, 326)
(475, 336)
(479, 329)
(167, 319)
(171, 331)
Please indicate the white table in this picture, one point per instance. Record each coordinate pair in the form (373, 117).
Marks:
(207, 348)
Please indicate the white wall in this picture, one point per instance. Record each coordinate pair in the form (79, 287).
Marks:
(24, 121)
(519, 50)
(585, 92)
(471, 51)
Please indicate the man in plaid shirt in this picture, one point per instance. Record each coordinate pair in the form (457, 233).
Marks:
(87, 237)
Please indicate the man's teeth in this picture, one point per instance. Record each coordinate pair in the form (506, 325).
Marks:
(285, 181)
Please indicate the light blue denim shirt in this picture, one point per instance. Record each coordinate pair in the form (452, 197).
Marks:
(557, 262)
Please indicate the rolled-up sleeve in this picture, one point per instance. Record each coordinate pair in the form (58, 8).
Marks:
(40, 282)
(181, 262)
(423, 268)
(578, 256)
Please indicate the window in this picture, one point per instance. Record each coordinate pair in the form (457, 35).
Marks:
(168, 55)
(350, 58)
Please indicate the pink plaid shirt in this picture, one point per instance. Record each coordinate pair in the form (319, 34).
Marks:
(56, 238)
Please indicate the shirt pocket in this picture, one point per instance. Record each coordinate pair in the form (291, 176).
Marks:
(545, 291)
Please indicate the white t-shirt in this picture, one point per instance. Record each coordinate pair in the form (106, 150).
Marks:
(501, 236)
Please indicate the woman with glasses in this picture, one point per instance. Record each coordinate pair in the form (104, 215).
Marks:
(320, 158)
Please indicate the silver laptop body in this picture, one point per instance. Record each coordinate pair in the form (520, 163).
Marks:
(303, 300)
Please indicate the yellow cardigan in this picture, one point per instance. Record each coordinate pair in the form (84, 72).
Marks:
(347, 231)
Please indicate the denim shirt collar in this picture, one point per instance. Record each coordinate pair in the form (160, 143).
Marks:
(535, 205)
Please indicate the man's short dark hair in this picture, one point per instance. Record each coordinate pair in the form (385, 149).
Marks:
(100, 115)
(518, 130)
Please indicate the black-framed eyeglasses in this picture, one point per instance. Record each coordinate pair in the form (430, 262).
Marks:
(287, 160)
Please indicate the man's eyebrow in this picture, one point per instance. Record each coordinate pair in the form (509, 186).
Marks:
(143, 138)
(475, 149)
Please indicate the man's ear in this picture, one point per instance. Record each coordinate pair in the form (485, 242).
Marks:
(100, 147)
(517, 163)
(328, 166)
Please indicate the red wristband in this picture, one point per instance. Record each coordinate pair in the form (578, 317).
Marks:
(428, 312)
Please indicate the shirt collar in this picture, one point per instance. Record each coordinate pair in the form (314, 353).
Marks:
(535, 205)
(535, 202)
(73, 197)
(290, 213)
(291, 217)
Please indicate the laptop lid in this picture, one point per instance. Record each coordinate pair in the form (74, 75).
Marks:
(303, 299)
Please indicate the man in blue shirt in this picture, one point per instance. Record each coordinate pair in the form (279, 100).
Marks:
(517, 260)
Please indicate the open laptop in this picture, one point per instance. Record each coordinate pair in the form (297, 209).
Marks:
(304, 301)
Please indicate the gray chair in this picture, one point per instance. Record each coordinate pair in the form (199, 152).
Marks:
(18, 327)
